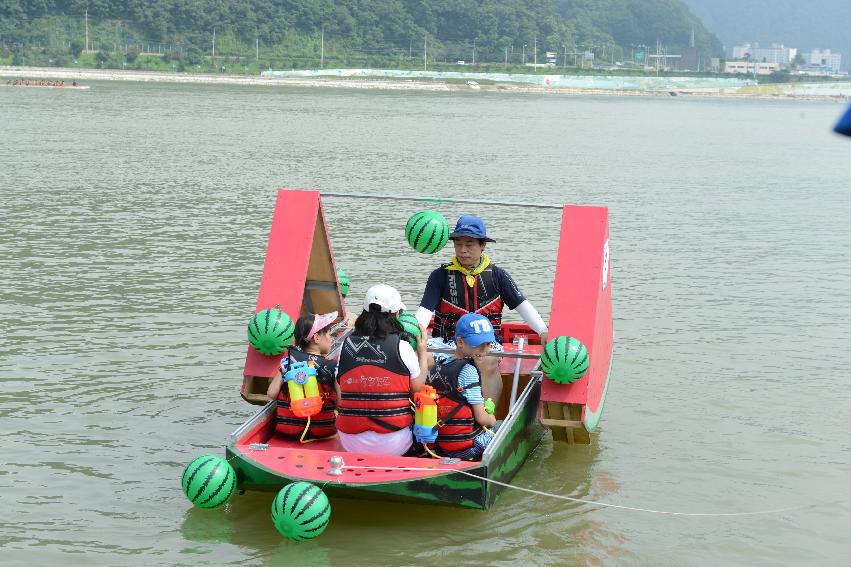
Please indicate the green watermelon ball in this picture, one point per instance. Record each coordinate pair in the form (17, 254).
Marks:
(271, 331)
(427, 231)
(343, 279)
(411, 326)
(564, 360)
(301, 511)
(209, 481)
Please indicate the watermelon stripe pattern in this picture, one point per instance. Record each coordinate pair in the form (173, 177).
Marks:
(427, 232)
(343, 280)
(271, 331)
(301, 511)
(209, 481)
(411, 327)
(565, 360)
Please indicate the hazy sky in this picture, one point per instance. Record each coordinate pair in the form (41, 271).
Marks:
(805, 24)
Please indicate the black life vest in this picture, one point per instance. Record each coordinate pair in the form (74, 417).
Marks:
(375, 386)
(458, 299)
(323, 423)
(458, 426)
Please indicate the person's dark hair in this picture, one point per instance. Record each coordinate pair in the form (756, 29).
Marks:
(302, 329)
(374, 323)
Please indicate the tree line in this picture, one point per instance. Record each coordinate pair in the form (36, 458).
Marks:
(490, 30)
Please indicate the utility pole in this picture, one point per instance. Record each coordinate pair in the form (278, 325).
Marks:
(87, 29)
(536, 53)
(214, 44)
(506, 56)
(564, 59)
(474, 51)
(322, 49)
(257, 47)
(524, 54)
(425, 51)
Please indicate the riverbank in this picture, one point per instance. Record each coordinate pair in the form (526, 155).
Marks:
(381, 80)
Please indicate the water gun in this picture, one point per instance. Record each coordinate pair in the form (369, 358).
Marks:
(425, 415)
(305, 399)
(490, 407)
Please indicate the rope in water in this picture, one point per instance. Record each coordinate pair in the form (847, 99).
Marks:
(617, 506)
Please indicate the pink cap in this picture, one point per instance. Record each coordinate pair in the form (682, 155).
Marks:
(320, 322)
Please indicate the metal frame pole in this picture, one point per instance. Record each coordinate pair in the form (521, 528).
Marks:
(521, 341)
(443, 200)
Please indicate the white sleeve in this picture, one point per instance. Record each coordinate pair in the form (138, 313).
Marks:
(532, 317)
(423, 316)
(409, 357)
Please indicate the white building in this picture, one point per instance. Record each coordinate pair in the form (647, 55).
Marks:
(777, 53)
(751, 67)
(824, 58)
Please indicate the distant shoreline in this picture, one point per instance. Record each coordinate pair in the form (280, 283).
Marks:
(769, 92)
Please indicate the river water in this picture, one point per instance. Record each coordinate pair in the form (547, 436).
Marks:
(132, 232)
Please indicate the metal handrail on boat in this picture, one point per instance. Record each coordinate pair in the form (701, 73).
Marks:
(505, 427)
(340, 333)
(527, 355)
(252, 421)
(513, 399)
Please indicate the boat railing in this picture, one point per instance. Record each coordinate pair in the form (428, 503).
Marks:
(340, 332)
(510, 418)
(258, 417)
(518, 355)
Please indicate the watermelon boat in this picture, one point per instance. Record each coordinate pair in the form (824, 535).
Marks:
(300, 276)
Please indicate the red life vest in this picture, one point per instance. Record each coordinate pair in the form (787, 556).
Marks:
(458, 299)
(322, 424)
(458, 427)
(375, 386)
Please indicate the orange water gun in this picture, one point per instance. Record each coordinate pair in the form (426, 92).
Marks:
(425, 415)
(305, 399)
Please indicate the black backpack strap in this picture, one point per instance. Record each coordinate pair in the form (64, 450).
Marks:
(386, 425)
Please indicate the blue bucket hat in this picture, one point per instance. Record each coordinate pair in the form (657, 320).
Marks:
(472, 226)
(475, 329)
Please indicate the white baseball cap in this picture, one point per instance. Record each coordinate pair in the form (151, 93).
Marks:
(385, 296)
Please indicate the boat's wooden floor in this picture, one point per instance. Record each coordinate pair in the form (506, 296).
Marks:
(309, 461)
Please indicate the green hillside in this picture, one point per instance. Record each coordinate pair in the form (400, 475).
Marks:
(298, 33)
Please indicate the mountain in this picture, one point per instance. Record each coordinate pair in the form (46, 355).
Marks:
(805, 25)
(635, 22)
(370, 29)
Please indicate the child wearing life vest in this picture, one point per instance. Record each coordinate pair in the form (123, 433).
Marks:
(377, 374)
(471, 283)
(461, 411)
(312, 341)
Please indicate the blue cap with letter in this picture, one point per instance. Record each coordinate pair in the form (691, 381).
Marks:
(475, 329)
(472, 226)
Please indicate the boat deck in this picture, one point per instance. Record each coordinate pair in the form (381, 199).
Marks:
(309, 461)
